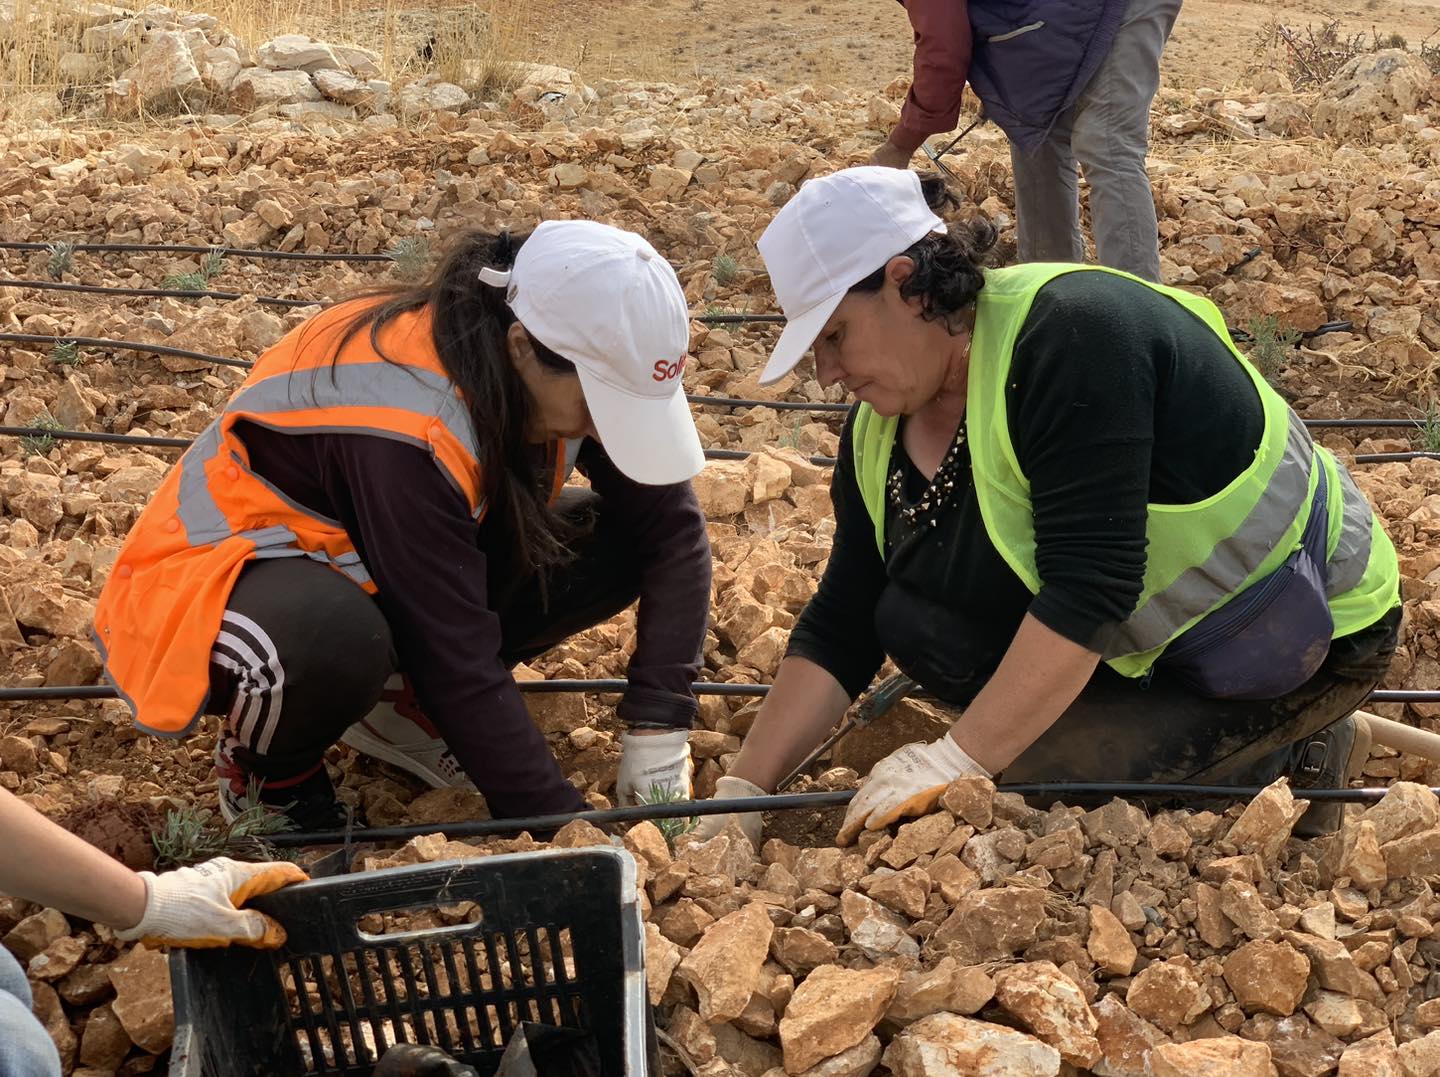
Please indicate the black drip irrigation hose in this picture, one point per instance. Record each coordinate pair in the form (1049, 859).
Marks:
(155, 293)
(710, 454)
(170, 248)
(123, 345)
(688, 809)
(602, 686)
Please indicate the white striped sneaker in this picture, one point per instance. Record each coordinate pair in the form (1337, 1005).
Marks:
(399, 734)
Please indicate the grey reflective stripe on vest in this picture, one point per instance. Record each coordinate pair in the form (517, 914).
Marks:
(1351, 558)
(1197, 590)
(385, 385)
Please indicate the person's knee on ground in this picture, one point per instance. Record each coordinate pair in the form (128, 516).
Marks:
(334, 653)
(26, 1049)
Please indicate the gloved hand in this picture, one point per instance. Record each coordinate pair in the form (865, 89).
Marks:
(908, 781)
(751, 823)
(199, 907)
(654, 767)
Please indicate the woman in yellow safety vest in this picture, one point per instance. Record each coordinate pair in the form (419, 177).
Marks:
(374, 531)
(1066, 504)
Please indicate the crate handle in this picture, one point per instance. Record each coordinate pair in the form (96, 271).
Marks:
(426, 933)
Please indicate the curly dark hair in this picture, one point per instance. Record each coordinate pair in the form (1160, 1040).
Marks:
(948, 267)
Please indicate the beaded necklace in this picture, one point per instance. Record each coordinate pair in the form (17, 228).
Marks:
(938, 496)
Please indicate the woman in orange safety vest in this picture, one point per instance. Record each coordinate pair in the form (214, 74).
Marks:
(376, 530)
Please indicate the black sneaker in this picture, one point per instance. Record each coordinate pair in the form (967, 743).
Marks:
(310, 803)
(1329, 759)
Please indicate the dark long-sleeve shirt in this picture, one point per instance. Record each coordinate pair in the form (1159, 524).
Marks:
(426, 554)
(941, 66)
(1117, 397)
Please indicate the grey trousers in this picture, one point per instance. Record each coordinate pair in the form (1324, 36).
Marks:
(1107, 131)
(26, 1049)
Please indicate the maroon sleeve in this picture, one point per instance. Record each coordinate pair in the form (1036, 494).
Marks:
(415, 534)
(942, 63)
(667, 529)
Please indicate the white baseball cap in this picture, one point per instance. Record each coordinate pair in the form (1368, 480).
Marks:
(607, 301)
(835, 232)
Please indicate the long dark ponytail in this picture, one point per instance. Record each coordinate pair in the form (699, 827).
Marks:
(470, 323)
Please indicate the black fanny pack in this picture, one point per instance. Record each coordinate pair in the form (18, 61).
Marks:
(1273, 636)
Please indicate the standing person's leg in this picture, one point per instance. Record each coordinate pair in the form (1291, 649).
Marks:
(1111, 135)
(302, 654)
(1047, 199)
(26, 1049)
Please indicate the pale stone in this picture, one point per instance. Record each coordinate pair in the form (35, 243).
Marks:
(1110, 944)
(1230, 1055)
(1051, 1006)
(725, 964)
(258, 87)
(142, 998)
(833, 1010)
(1265, 825)
(990, 925)
(661, 958)
(1169, 994)
(1375, 1056)
(1407, 808)
(874, 930)
(297, 52)
(1126, 1040)
(949, 986)
(944, 1045)
(1267, 976)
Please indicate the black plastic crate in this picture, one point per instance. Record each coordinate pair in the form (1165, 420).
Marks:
(558, 940)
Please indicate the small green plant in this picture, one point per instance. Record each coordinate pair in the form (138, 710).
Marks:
(1429, 427)
(411, 256)
(199, 281)
(193, 834)
(726, 270)
(66, 353)
(40, 444)
(791, 438)
(672, 829)
(62, 259)
(1270, 346)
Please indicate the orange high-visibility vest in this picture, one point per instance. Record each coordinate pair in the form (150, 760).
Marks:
(161, 608)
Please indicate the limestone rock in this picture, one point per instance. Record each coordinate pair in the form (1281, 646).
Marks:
(259, 87)
(949, 986)
(1169, 994)
(1268, 977)
(1407, 808)
(34, 934)
(1334, 967)
(1110, 944)
(104, 1042)
(1361, 859)
(857, 1061)
(142, 998)
(972, 799)
(833, 1010)
(914, 840)
(944, 1045)
(347, 89)
(1229, 1055)
(721, 488)
(1413, 855)
(989, 925)
(661, 958)
(57, 960)
(1126, 1040)
(1050, 1005)
(1421, 1058)
(51, 1014)
(725, 964)
(1297, 1047)
(1242, 903)
(297, 52)
(905, 891)
(430, 94)
(1371, 90)
(165, 73)
(1264, 826)
(1375, 1056)
(874, 930)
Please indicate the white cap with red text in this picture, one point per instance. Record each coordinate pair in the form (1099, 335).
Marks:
(606, 300)
(835, 232)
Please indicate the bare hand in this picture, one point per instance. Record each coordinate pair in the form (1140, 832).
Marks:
(890, 155)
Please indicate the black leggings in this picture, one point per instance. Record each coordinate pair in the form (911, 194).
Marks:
(303, 653)
(1120, 729)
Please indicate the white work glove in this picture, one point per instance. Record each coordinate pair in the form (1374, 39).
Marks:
(654, 768)
(199, 907)
(908, 781)
(751, 823)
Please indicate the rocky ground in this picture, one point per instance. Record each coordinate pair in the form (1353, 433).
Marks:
(1036, 940)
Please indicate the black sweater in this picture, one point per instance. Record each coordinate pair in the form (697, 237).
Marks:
(1117, 397)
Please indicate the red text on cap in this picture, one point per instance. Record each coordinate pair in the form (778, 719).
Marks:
(665, 371)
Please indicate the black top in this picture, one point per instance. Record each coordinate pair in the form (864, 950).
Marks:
(428, 559)
(1118, 397)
